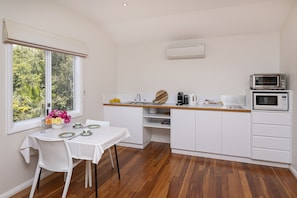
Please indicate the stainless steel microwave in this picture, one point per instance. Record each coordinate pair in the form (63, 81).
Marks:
(271, 101)
(268, 81)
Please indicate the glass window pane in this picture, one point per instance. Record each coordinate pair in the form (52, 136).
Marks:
(62, 81)
(28, 82)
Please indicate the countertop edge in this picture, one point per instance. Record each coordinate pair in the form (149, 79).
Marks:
(184, 107)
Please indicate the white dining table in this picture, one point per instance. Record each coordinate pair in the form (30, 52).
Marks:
(81, 147)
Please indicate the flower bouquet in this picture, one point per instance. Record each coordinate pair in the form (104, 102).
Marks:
(57, 118)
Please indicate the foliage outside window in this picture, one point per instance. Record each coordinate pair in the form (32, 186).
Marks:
(62, 81)
(28, 82)
(42, 80)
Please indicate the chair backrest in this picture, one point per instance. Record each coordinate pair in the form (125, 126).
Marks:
(54, 155)
(101, 123)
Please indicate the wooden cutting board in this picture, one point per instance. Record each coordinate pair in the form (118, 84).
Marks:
(161, 97)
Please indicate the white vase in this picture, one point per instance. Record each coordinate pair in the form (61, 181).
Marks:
(57, 126)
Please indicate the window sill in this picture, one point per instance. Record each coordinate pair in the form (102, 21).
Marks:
(33, 123)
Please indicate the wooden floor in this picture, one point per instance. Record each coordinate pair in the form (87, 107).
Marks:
(155, 172)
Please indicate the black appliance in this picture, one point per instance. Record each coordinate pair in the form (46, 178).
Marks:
(180, 98)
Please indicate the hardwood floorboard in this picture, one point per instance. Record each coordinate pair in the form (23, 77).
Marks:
(157, 173)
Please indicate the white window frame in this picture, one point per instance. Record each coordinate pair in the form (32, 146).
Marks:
(14, 127)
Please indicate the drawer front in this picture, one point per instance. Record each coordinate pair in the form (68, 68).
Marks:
(271, 130)
(271, 143)
(271, 155)
(271, 118)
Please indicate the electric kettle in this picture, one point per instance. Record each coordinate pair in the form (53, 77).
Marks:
(193, 99)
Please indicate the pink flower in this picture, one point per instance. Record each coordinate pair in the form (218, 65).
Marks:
(61, 114)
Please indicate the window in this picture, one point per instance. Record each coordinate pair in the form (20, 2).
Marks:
(39, 81)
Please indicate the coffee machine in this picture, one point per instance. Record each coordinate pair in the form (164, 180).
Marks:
(180, 98)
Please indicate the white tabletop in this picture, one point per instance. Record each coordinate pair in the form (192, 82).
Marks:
(82, 147)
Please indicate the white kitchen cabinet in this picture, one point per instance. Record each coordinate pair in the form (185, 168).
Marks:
(208, 131)
(114, 115)
(236, 134)
(183, 129)
(271, 136)
(211, 132)
(130, 118)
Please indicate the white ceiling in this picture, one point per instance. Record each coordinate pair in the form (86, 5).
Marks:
(167, 20)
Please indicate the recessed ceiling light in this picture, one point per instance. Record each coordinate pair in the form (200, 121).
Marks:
(124, 4)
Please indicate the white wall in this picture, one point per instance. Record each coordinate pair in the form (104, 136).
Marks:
(225, 70)
(288, 64)
(99, 69)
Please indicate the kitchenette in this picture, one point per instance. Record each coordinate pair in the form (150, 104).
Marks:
(125, 54)
(253, 128)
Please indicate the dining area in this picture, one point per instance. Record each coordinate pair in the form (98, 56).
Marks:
(62, 149)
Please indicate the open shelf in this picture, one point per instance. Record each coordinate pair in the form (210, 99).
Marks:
(157, 115)
(159, 119)
(156, 125)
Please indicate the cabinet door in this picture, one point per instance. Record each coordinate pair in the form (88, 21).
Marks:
(236, 134)
(182, 135)
(208, 131)
(128, 117)
(132, 120)
(114, 115)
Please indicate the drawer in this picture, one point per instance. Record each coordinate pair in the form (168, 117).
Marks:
(271, 155)
(271, 143)
(275, 118)
(271, 130)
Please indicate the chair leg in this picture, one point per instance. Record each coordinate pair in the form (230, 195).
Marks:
(37, 172)
(111, 159)
(116, 154)
(67, 183)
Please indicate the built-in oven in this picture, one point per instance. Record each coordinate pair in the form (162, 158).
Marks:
(274, 101)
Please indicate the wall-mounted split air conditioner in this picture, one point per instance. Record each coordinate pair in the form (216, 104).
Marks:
(185, 51)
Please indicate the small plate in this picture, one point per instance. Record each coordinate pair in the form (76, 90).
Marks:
(93, 126)
(66, 134)
(86, 133)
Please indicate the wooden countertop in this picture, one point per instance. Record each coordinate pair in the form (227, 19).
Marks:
(185, 107)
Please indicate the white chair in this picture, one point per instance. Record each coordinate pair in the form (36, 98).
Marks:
(88, 177)
(55, 156)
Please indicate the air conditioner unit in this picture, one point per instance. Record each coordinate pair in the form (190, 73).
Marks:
(185, 51)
